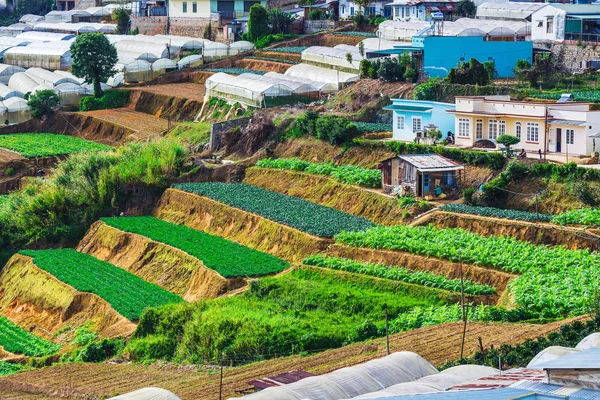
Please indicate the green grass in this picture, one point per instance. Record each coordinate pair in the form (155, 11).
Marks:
(32, 145)
(17, 340)
(192, 132)
(292, 211)
(9, 368)
(306, 309)
(124, 291)
(227, 258)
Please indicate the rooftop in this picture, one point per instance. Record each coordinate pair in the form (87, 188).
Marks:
(430, 161)
(585, 359)
(281, 379)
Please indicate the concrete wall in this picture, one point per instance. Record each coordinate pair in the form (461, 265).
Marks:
(202, 9)
(441, 53)
(149, 25)
(316, 26)
(574, 56)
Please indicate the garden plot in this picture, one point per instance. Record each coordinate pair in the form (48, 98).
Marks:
(16, 340)
(33, 145)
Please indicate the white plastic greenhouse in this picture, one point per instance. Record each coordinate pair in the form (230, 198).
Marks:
(296, 86)
(114, 39)
(30, 18)
(116, 80)
(66, 16)
(162, 66)
(51, 56)
(549, 354)
(248, 91)
(240, 47)
(186, 43)
(402, 30)
(215, 50)
(515, 11)
(131, 50)
(6, 71)
(99, 11)
(151, 393)
(21, 82)
(192, 61)
(42, 86)
(6, 92)
(333, 57)
(70, 75)
(353, 381)
(35, 36)
(15, 29)
(52, 78)
(17, 110)
(70, 93)
(137, 71)
(380, 44)
(319, 74)
(89, 87)
(321, 86)
(592, 340)
(77, 28)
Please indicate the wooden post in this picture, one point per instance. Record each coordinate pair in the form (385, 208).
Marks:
(387, 332)
(462, 300)
(221, 381)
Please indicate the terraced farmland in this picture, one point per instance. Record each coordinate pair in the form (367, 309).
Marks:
(16, 340)
(125, 292)
(292, 211)
(9, 368)
(227, 258)
(32, 145)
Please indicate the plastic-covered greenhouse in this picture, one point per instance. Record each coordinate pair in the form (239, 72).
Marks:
(192, 61)
(353, 381)
(335, 57)
(215, 50)
(186, 43)
(147, 394)
(240, 47)
(402, 30)
(116, 80)
(77, 28)
(515, 11)
(15, 29)
(592, 340)
(67, 16)
(137, 71)
(89, 87)
(323, 87)
(319, 74)
(100, 11)
(30, 18)
(17, 110)
(70, 75)
(52, 78)
(549, 354)
(131, 50)
(380, 44)
(162, 66)
(296, 86)
(7, 92)
(70, 93)
(51, 56)
(248, 91)
(21, 82)
(6, 71)
(36, 36)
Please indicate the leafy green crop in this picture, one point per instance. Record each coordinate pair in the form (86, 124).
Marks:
(292, 211)
(31, 145)
(584, 216)
(9, 368)
(350, 174)
(423, 278)
(496, 212)
(15, 339)
(356, 33)
(555, 281)
(592, 96)
(295, 50)
(227, 258)
(236, 71)
(279, 60)
(372, 127)
(124, 291)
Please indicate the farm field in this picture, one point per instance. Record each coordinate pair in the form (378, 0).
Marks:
(437, 344)
(292, 211)
(16, 340)
(227, 258)
(7, 156)
(187, 90)
(125, 292)
(32, 145)
(8, 368)
(145, 125)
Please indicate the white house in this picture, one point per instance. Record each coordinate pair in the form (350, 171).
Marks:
(568, 128)
(558, 22)
(420, 9)
(349, 8)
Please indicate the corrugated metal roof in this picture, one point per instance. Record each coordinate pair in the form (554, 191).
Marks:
(538, 387)
(429, 161)
(578, 8)
(585, 359)
(281, 379)
(401, 107)
(507, 378)
(587, 394)
(566, 122)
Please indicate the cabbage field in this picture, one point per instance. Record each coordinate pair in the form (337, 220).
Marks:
(9, 368)
(32, 145)
(583, 216)
(554, 281)
(288, 210)
(295, 50)
(497, 212)
(227, 258)
(124, 291)
(17, 340)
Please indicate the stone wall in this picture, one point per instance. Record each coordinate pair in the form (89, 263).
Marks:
(574, 56)
(317, 26)
(149, 25)
(193, 27)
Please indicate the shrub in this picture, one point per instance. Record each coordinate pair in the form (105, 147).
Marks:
(332, 128)
(316, 14)
(507, 140)
(585, 192)
(43, 103)
(364, 67)
(110, 99)
(467, 195)
(10, 171)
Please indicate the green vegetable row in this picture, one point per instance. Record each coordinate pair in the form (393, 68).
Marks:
(236, 71)
(124, 291)
(17, 340)
(31, 145)
(350, 174)
(422, 278)
(9, 368)
(555, 281)
(227, 258)
(373, 127)
(584, 216)
(496, 212)
(279, 60)
(295, 50)
(288, 210)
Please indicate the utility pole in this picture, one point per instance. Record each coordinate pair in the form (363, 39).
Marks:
(462, 300)
(221, 381)
(537, 215)
(387, 332)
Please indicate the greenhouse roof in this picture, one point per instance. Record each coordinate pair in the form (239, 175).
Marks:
(578, 8)
(462, 27)
(549, 354)
(323, 86)
(30, 18)
(295, 86)
(45, 36)
(184, 42)
(151, 393)
(510, 10)
(319, 74)
(582, 359)
(15, 104)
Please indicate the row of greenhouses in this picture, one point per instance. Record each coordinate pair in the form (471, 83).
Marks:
(143, 71)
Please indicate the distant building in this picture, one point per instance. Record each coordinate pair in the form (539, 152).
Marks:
(410, 117)
(203, 9)
(559, 22)
(349, 8)
(509, 11)
(568, 128)
(420, 9)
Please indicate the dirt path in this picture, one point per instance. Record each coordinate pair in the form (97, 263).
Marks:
(6, 156)
(187, 90)
(438, 344)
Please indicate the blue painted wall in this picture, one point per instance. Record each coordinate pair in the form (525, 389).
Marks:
(441, 53)
(435, 114)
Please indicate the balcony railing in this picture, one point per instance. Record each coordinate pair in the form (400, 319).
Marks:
(583, 37)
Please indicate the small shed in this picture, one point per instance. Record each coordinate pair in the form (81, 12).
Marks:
(420, 174)
(581, 368)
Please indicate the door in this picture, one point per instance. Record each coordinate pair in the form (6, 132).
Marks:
(426, 183)
(226, 8)
(558, 139)
(386, 172)
(420, 185)
(248, 4)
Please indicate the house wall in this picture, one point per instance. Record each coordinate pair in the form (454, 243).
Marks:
(539, 24)
(442, 53)
(407, 12)
(437, 116)
(347, 9)
(176, 9)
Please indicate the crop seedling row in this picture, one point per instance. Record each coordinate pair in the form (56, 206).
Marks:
(32, 145)
(15, 339)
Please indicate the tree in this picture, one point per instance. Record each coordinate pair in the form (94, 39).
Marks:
(349, 58)
(361, 49)
(258, 23)
(521, 69)
(507, 141)
(208, 33)
(363, 4)
(471, 73)
(121, 15)
(316, 15)
(37, 7)
(434, 134)
(43, 103)
(93, 59)
(281, 22)
(466, 8)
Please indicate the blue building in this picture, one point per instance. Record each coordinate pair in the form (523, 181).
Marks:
(411, 117)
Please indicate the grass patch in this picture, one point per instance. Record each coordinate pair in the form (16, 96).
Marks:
(9, 368)
(17, 340)
(192, 132)
(32, 145)
(227, 258)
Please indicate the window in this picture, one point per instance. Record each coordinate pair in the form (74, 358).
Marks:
(533, 132)
(426, 181)
(479, 129)
(492, 129)
(194, 7)
(351, 10)
(502, 128)
(540, 24)
(549, 25)
(185, 6)
(416, 122)
(343, 9)
(400, 122)
(518, 130)
(570, 136)
(464, 127)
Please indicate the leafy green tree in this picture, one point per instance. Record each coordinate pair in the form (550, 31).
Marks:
(37, 7)
(466, 8)
(507, 141)
(521, 69)
(471, 73)
(316, 15)
(43, 103)
(258, 22)
(208, 32)
(93, 59)
(121, 15)
(361, 49)
(349, 58)
(281, 22)
(365, 66)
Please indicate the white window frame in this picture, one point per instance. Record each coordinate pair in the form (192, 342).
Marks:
(533, 132)
(570, 134)
(492, 129)
(416, 128)
(518, 129)
(400, 122)
(479, 129)
(464, 127)
(501, 128)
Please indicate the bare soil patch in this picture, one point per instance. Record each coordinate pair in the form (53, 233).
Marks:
(143, 125)
(187, 90)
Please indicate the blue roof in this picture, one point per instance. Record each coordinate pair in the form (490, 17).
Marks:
(587, 394)
(584, 359)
